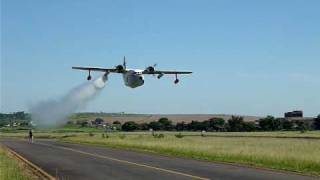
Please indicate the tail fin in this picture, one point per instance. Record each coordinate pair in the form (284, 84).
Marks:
(124, 62)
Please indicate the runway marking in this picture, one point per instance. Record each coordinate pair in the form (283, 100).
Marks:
(126, 162)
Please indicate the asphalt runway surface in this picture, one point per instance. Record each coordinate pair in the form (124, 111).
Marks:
(81, 162)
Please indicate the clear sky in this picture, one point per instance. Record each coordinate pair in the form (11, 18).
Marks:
(249, 57)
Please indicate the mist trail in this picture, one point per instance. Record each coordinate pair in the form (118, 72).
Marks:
(53, 113)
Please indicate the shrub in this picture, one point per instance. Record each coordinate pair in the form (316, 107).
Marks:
(155, 125)
(159, 136)
(316, 123)
(287, 125)
(91, 134)
(301, 126)
(249, 126)
(130, 126)
(166, 124)
(235, 124)
(179, 135)
(270, 124)
(216, 124)
(181, 126)
(117, 122)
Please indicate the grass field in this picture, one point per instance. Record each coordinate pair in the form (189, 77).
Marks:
(10, 168)
(292, 154)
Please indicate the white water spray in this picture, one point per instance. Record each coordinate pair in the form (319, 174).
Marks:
(53, 113)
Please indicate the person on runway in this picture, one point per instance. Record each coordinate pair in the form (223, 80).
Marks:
(30, 136)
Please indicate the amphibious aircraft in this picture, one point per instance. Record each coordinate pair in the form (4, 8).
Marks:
(133, 77)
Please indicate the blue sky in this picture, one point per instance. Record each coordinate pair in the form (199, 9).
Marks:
(249, 57)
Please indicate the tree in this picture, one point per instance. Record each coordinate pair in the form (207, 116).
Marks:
(196, 126)
(84, 124)
(130, 126)
(166, 124)
(144, 126)
(270, 124)
(249, 126)
(217, 124)
(98, 121)
(116, 122)
(181, 126)
(287, 125)
(301, 126)
(235, 124)
(316, 122)
(155, 125)
(24, 124)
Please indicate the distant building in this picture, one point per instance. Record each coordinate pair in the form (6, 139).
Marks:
(294, 114)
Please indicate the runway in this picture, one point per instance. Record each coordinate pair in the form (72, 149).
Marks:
(81, 162)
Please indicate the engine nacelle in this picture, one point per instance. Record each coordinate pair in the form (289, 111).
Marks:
(120, 68)
(176, 81)
(150, 69)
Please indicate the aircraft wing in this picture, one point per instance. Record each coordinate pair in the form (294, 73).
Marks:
(97, 69)
(166, 72)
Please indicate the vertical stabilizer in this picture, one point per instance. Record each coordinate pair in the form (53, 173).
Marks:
(124, 62)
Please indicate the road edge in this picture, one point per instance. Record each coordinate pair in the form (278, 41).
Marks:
(34, 168)
(196, 159)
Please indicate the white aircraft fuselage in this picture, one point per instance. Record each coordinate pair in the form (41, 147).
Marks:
(133, 78)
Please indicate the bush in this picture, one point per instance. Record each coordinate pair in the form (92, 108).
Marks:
(235, 124)
(181, 126)
(159, 136)
(197, 126)
(249, 126)
(155, 125)
(216, 124)
(301, 126)
(316, 123)
(270, 124)
(179, 135)
(287, 125)
(144, 126)
(166, 124)
(117, 122)
(130, 126)
(91, 134)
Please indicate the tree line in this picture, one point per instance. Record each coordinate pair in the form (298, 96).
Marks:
(234, 124)
(21, 118)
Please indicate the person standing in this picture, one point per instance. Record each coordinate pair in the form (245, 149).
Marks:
(30, 136)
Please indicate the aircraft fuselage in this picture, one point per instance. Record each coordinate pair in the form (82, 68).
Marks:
(133, 78)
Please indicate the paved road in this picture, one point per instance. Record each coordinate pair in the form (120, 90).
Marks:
(70, 161)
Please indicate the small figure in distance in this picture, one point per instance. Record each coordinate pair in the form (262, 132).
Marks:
(30, 136)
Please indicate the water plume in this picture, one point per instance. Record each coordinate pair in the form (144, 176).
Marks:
(54, 113)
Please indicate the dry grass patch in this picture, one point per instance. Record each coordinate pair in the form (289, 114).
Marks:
(299, 155)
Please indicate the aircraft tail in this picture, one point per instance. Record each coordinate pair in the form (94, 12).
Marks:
(124, 62)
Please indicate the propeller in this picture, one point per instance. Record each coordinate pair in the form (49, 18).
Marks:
(151, 68)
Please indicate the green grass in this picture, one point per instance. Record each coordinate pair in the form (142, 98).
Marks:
(275, 134)
(298, 155)
(9, 168)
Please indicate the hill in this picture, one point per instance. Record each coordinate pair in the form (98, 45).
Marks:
(141, 118)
